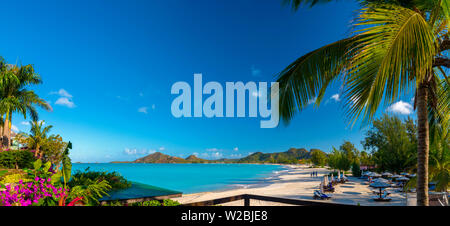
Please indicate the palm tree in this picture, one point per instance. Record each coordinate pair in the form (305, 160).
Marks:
(397, 46)
(37, 138)
(15, 98)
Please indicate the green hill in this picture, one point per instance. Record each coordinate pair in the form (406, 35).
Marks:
(290, 156)
(159, 157)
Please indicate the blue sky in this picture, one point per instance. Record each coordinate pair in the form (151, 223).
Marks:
(108, 67)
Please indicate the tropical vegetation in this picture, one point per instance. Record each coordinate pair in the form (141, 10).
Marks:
(397, 46)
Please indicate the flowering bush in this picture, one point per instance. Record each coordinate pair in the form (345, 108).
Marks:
(39, 192)
(42, 187)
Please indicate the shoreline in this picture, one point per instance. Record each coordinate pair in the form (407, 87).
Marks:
(296, 183)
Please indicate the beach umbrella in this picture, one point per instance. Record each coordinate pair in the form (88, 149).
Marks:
(379, 185)
(386, 174)
(381, 180)
(376, 175)
(402, 179)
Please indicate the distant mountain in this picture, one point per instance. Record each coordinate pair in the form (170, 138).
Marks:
(195, 159)
(159, 157)
(290, 156)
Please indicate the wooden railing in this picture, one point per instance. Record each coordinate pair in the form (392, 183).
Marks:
(248, 197)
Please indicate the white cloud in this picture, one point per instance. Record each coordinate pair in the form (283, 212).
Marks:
(236, 149)
(65, 98)
(62, 93)
(14, 128)
(143, 110)
(401, 108)
(161, 148)
(217, 155)
(235, 156)
(153, 106)
(26, 123)
(213, 155)
(64, 101)
(135, 151)
(212, 149)
(336, 97)
(255, 72)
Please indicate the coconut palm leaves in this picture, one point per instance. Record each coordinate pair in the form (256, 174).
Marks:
(397, 46)
(38, 137)
(307, 78)
(397, 52)
(391, 50)
(15, 97)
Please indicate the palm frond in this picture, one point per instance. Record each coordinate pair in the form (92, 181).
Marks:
(397, 50)
(307, 77)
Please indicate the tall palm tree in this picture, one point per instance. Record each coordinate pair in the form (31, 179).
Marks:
(37, 138)
(15, 98)
(397, 46)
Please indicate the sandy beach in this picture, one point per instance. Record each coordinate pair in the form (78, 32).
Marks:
(296, 183)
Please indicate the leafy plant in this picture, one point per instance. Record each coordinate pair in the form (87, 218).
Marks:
(91, 191)
(115, 180)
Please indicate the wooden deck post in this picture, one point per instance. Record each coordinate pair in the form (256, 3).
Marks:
(246, 201)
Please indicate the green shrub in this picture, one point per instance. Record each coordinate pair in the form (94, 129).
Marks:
(114, 179)
(16, 159)
(170, 202)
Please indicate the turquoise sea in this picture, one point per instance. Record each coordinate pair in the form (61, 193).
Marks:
(190, 178)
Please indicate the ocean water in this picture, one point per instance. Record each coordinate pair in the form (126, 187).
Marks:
(191, 178)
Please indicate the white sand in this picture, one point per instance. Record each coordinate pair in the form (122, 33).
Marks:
(296, 183)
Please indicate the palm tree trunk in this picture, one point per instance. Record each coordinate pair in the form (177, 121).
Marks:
(9, 130)
(422, 145)
(1, 134)
(36, 152)
(6, 132)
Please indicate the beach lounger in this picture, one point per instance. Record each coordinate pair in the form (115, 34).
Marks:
(319, 195)
(329, 188)
(383, 197)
